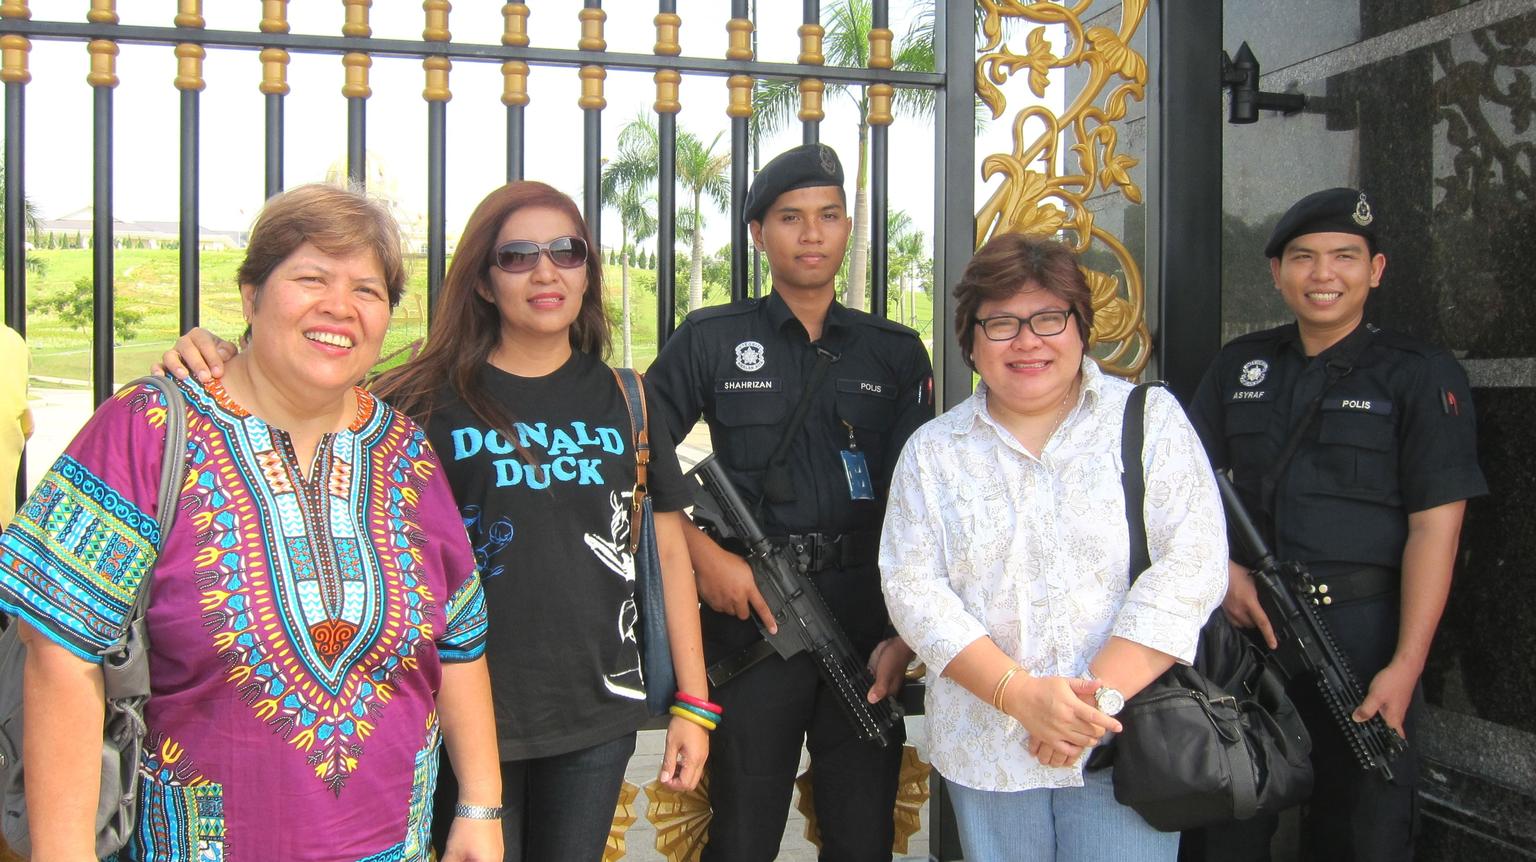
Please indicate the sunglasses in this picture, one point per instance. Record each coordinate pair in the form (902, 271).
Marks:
(522, 255)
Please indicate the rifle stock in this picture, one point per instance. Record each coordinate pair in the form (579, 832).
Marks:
(1306, 647)
(804, 621)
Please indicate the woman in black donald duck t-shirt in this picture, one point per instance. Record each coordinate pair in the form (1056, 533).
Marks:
(534, 434)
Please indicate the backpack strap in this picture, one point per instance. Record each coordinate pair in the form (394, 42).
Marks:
(631, 384)
(1133, 478)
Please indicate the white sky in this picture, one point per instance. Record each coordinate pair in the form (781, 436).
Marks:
(147, 113)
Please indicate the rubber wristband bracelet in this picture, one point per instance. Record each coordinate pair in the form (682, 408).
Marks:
(478, 812)
(701, 722)
(701, 703)
(701, 713)
(1002, 685)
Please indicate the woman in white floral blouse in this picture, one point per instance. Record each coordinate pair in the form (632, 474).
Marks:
(1005, 557)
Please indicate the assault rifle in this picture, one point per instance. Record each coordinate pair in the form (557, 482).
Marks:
(805, 624)
(1306, 645)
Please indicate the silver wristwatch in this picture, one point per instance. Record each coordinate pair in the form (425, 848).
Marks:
(1109, 701)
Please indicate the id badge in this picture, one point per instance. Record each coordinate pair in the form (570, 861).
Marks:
(857, 469)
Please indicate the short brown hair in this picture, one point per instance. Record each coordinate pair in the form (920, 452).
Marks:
(1006, 265)
(335, 220)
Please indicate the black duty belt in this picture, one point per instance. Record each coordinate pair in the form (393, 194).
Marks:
(821, 551)
(1347, 586)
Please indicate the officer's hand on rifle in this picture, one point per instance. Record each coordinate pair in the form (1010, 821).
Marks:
(1242, 603)
(725, 581)
(1390, 693)
(888, 665)
(199, 353)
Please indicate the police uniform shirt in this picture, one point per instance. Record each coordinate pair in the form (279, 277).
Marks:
(1393, 435)
(743, 367)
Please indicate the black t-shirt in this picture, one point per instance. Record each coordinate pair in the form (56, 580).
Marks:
(1393, 436)
(551, 540)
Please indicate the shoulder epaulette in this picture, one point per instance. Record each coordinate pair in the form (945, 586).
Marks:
(1408, 344)
(868, 319)
(1260, 335)
(730, 309)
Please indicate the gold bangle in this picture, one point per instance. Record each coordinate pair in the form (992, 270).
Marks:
(1002, 685)
(700, 720)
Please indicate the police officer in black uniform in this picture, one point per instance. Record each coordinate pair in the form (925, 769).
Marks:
(867, 384)
(1355, 450)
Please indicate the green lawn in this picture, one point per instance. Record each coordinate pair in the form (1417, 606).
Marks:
(147, 281)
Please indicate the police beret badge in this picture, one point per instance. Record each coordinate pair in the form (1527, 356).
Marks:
(1254, 372)
(1362, 214)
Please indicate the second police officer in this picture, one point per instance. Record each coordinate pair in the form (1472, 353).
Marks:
(1355, 450)
(798, 392)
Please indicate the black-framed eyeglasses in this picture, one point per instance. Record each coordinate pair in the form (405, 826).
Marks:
(1005, 327)
(522, 255)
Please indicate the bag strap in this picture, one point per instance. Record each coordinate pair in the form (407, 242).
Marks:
(1337, 367)
(776, 485)
(631, 384)
(1133, 479)
(173, 474)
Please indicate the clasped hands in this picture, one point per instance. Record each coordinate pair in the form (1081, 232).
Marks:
(1059, 715)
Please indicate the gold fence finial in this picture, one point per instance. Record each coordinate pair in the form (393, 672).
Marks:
(880, 95)
(740, 49)
(103, 51)
(667, 26)
(811, 88)
(14, 48)
(189, 13)
(189, 55)
(668, 80)
(592, 76)
(436, 67)
(274, 61)
(356, 63)
(514, 73)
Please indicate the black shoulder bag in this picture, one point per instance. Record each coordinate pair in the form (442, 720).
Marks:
(656, 668)
(1210, 743)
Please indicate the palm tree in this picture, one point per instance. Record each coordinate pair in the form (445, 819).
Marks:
(29, 218)
(624, 184)
(701, 172)
(907, 256)
(847, 44)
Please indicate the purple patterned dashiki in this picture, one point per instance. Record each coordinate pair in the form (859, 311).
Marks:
(297, 626)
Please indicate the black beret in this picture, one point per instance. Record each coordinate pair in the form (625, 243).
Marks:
(803, 167)
(1341, 210)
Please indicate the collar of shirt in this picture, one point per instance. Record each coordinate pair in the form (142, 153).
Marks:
(973, 410)
(833, 330)
(1290, 336)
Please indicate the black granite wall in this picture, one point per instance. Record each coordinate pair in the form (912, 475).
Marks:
(1429, 105)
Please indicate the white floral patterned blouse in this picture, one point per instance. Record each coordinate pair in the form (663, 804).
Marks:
(981, 538)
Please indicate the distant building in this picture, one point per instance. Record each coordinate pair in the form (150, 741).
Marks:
(62, 233)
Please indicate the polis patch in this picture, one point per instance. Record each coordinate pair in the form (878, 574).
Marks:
(866, 387)
(748, 384)
(1378, 406)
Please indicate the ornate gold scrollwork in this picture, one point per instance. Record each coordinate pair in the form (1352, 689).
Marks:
(911, 793)
(437, 68)
(1036, 172)
(740, 49)
(274, 61)
(681, 819)
(103, 51)
(623, 818)
(189, 56)
(514, 73)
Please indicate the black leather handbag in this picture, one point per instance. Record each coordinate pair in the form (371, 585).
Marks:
(1208, 743)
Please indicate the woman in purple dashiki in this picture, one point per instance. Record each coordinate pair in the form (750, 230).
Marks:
(316, 623)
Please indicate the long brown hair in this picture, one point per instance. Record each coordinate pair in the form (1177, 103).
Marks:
(468, 326)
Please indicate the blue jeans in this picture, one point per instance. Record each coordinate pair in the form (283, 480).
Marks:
(558, 807)
(1069, 824)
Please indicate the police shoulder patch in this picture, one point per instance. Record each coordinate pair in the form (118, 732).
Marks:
(1253, 373)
